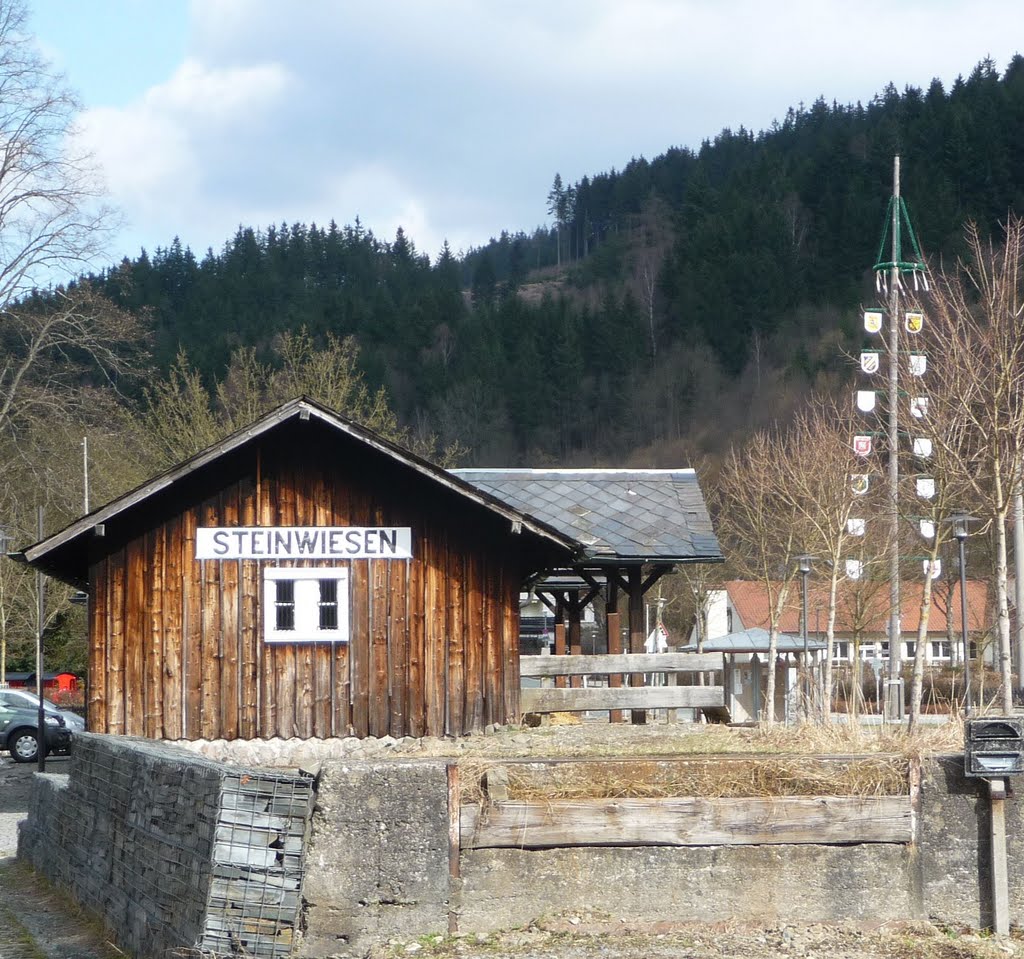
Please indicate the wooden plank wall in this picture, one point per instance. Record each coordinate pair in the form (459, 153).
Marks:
(176, 644)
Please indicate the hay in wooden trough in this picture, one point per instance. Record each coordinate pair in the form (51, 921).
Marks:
(712, 777)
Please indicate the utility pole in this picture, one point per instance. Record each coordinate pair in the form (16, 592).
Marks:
(40, 624)
(85, 475)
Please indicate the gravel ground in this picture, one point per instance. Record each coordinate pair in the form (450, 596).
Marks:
(586, 938)
(36, 922)
(15, 782)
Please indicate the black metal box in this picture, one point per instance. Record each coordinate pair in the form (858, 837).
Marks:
(994, 747)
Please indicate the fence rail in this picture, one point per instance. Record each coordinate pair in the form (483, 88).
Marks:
(548, 700)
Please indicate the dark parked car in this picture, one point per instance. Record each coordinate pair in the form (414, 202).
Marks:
(18, 733)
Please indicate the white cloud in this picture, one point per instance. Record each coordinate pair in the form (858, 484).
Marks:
(451, 118)
(156, 152)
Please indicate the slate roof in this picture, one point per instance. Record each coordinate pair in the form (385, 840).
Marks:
(755, 641)
(617, 515)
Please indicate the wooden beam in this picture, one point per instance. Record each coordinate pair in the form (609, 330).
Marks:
(614, 630)
(591, 595)
(601, 665)
(635, 698)
(614, 577)
(546, 601)
(559, 650)
(636, 635)
(575, 638)
(654, 576)
(687, 822)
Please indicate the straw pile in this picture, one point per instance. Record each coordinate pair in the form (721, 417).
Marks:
(708, 778)
(605, 762)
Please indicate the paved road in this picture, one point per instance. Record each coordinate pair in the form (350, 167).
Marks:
(35, 921)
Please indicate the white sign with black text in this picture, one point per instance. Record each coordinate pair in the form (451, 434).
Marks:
(304, 542)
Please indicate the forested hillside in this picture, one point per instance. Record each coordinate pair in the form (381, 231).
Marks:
(670, 305)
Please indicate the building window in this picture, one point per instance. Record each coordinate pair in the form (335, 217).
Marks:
(841, 651)
(305, 605)
(940, 650)
(911, 650)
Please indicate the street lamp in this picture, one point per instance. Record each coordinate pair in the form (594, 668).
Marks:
(959, 522)
(804, 566)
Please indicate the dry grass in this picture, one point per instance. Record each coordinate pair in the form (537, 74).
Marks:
(603, 762)
(711, 778)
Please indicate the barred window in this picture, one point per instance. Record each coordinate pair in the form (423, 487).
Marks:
(305, 605)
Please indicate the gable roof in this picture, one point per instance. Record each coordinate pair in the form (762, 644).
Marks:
(614, 514)
(63, 554)
(750, 600)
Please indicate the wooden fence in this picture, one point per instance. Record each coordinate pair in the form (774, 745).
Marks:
(613, 697)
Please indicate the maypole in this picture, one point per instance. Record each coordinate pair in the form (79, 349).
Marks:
(889, 279)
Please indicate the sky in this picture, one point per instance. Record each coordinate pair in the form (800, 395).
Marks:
(451, 118)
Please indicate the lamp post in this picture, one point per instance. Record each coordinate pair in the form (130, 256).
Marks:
(959, 523)
(804, 567)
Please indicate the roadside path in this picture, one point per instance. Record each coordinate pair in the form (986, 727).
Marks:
(36, 921)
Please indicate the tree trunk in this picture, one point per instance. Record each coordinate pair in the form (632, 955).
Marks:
(1005, 658)
(769, 695)
(830, 643)
(917, 679)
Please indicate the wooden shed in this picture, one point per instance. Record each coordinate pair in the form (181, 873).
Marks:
(307, 578)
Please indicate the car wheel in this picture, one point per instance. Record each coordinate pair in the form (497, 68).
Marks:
(23, 746)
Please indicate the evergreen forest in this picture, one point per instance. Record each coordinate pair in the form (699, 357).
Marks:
(668, 307)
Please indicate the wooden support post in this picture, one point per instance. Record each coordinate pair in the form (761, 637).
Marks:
(614, 628)
(636, 634)
(575, 634)
(560, 637)
(614, 637)
(1000, 880)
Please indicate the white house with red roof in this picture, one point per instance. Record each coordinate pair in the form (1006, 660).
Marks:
(862, 614)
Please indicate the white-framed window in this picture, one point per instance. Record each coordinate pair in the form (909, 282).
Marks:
(841, 651)
(939, 650)
(305, 605)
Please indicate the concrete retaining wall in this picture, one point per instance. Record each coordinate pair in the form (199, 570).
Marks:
(943, 875)
(378, 859)
(954, 866)
(146, 835)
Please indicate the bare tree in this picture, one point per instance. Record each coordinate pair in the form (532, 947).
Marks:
(53, 351)
(976, 347)
(54, 346)
(52, 220)
(760, 528)
(927, 518)
(815, 477)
